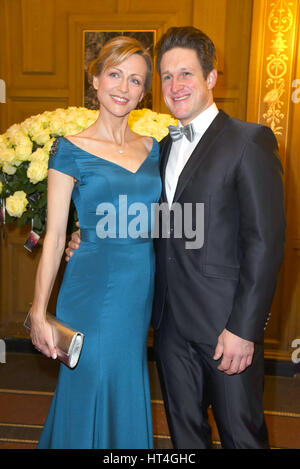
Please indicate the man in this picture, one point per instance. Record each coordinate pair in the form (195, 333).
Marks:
(211, 303)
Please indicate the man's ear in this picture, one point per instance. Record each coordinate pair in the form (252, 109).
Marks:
(212, 79)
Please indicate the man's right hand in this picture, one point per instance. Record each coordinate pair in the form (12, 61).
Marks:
(73, 243)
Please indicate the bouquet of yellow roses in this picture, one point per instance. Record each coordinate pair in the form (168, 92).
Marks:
(24, 154)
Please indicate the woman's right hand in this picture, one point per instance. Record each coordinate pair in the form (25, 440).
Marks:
(41, 336)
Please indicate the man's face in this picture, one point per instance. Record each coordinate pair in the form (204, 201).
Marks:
(186, 92)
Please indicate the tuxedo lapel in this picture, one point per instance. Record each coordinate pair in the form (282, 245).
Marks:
(200, 152)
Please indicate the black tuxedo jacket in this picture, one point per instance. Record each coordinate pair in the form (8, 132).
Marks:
(229, 282)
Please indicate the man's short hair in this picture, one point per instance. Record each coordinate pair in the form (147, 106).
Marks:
(188, 37)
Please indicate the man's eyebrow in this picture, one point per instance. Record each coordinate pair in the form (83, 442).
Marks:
(182, 69)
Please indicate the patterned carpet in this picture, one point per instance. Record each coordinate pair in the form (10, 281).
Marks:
(27, 382)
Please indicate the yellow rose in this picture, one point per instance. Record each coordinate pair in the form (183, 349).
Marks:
(35, 127)
(41, 137)
(13, 131)
(59, 112)
(9, 169)
(23, 151)
(16, 136)
(3, 139)
(150, 123)
(48, 145)
(42, 120)
(8, 160)
(84, 121)
(71, 113)
(7, 155)
(27, 124)
(40, 155)
(1, 187)
(71, 129)
(16, 204)
(37, 171)
(22, 139)
(57, 125)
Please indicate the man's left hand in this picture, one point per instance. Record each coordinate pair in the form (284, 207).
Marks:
(237, 353)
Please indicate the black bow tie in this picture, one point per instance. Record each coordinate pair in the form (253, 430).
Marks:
(176, 133)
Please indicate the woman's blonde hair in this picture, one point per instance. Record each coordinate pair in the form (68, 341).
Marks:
(117, 50)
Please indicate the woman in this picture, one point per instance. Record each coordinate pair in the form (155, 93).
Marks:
(107, 289)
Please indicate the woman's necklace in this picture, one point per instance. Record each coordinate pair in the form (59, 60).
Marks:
(121, 148)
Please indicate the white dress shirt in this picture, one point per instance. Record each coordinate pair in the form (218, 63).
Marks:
(182, 149)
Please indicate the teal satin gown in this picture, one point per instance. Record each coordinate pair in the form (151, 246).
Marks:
(106, 293)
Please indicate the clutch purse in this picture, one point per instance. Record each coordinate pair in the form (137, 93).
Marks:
(67, 341)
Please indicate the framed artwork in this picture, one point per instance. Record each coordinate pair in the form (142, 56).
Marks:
(92, 43)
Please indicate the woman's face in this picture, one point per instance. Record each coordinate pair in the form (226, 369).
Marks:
(121, 87)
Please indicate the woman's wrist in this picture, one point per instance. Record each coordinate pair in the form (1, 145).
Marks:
(37, 314)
